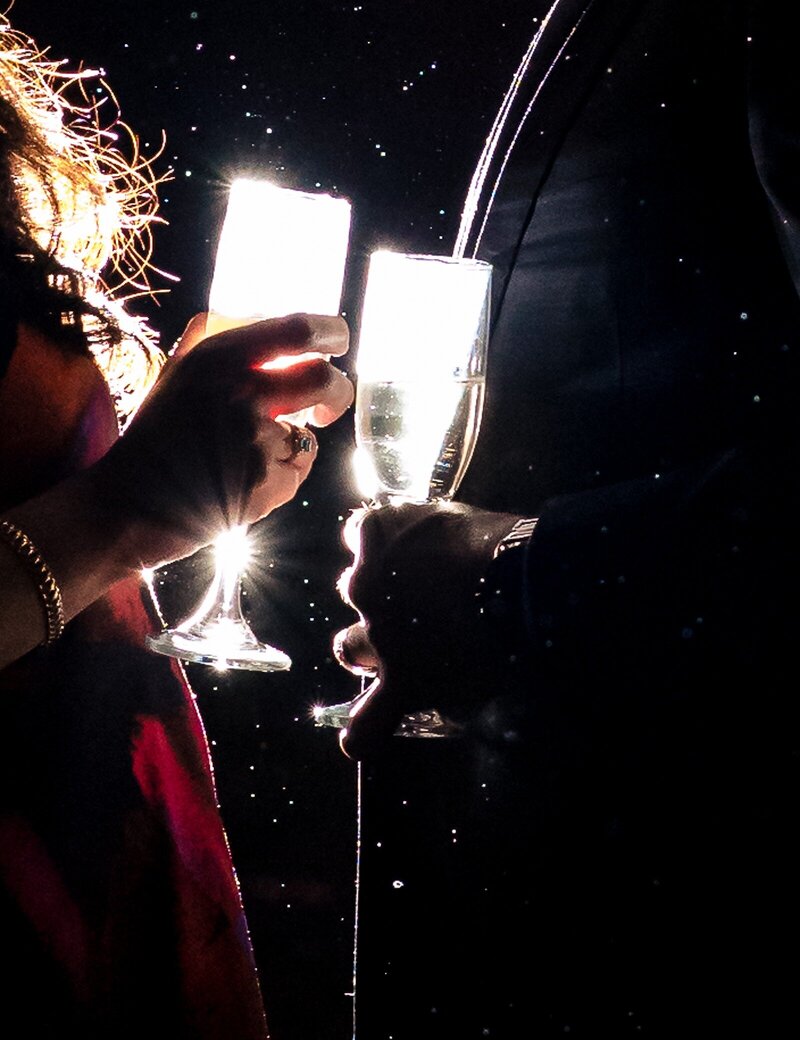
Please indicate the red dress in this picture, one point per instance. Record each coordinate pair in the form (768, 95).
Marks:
(120, 913)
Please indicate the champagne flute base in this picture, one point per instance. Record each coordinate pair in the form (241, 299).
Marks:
(426, 724)
(245, 652)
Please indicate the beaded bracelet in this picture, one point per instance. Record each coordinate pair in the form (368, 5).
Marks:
(46, 584)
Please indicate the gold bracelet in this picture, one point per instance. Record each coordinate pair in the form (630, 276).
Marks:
(46, 584)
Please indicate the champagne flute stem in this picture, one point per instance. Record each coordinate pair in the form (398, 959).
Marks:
(232, 566)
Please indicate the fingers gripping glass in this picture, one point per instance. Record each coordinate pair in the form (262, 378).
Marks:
(421, 369)
(280, 252)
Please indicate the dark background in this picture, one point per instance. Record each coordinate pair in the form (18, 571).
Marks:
(387, 102)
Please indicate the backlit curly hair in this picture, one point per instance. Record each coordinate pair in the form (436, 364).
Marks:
(77, 206)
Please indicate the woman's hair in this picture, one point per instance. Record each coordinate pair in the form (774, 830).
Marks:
(76, 215)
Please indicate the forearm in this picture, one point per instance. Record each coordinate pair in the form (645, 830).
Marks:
(699, 557)
(87, 545)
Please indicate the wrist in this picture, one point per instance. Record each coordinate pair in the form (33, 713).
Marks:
(146, 528)
(79, 536)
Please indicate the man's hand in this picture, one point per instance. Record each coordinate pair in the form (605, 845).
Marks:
(415, 583)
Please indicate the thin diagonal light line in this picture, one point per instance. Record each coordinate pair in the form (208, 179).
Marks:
(482, 170)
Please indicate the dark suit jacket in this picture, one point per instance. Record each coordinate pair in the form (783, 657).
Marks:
(643, 402)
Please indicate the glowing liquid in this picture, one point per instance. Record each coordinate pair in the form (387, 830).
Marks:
(415, 438)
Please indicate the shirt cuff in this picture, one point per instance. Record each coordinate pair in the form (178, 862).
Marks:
(504, 596)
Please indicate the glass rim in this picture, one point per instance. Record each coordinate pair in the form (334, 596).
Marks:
(461, 261)
(264, 183)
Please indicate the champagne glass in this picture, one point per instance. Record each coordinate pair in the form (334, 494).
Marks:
(421, 374)
(280, 252)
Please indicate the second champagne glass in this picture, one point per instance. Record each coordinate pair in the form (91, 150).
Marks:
(280, 252)
(421, 373)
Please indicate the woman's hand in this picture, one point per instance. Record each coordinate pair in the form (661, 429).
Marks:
(414, 582)
(206, 449)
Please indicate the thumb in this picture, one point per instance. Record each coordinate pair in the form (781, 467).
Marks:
(191, 336)
(374, 718)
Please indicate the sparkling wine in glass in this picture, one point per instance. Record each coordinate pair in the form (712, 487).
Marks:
(421, 373)
(280, 252)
